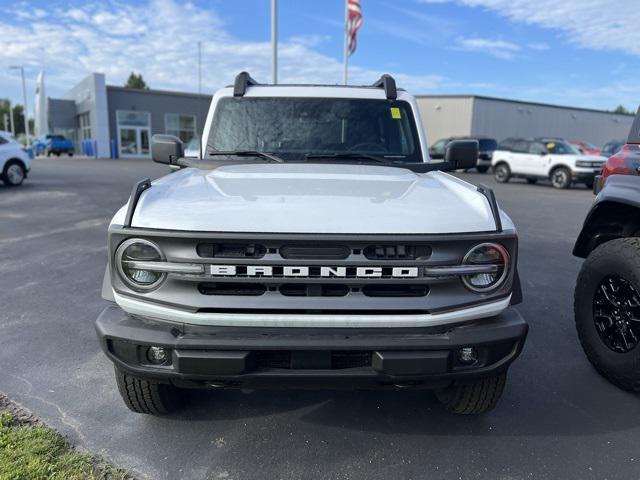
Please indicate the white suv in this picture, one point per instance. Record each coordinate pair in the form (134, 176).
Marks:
(551, 158)
(312, 244)
(14, 161)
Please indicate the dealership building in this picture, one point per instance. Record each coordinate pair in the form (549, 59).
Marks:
(119, 121)
(113, 121)
(460, 115)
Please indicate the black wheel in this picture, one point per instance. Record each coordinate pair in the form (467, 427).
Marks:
(70, 154)
(482, 169)
(607, 311)
(13, 173)
(502, 173)
(589, 185)
(141, 395)
(532, 181)
(561, 178)
(48, 153)
(474, 398)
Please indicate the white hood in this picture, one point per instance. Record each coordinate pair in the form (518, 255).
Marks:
(313, 198)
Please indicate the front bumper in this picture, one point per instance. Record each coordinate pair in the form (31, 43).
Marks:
(254, 357)
(585, 175)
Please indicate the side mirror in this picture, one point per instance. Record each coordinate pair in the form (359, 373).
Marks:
(462, 153)
(166, 149)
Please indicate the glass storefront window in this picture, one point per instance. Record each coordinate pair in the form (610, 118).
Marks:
(132, 118)
(181, 125)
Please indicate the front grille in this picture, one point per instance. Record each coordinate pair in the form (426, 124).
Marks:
(397, 252)
(395, 290)
(244, 289)
(313, 290)
(231, 250)
(315, 252)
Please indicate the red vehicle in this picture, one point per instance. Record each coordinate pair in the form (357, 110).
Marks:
(625, 162)
(585, 147)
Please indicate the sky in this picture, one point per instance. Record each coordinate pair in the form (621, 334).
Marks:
(572, 52)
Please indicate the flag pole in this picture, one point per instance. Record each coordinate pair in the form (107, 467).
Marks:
(346, 40)
(274, 41)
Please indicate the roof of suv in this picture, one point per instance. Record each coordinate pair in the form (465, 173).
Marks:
(244, 85)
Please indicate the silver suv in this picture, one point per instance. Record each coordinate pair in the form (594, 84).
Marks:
(314, 244)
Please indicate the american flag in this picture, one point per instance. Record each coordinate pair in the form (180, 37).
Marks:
(354, 22)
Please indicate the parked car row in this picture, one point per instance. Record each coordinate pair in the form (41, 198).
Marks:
(545, 158)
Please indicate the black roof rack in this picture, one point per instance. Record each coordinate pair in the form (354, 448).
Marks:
(243, 80)
(387, 82)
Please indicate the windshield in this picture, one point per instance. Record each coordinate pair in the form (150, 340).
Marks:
(560, 147)
(292, 128)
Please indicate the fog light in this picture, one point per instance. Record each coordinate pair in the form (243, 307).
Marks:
(158, 355)
(467, 355)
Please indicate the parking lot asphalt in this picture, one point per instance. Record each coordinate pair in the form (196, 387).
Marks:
(557, 418)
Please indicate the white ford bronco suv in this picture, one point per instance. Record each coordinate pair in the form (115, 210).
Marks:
(545, 158)
(313, 245)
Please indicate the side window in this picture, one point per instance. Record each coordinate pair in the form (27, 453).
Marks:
(3, 140)
(506, 145)
(537, 148)
(520, 146)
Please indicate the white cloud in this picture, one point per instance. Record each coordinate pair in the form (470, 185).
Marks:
(497, 48)
(158, 38)
(594, 24)
(541, 46)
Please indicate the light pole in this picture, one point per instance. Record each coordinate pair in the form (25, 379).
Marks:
(24, 99)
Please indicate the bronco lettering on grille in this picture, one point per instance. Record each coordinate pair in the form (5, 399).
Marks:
(312, 271)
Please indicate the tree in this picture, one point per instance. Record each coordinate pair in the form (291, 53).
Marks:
(136, 81)
(17, 117)
(621, 109)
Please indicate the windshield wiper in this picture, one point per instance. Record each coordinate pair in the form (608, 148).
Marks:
(248, 153)
(349, 156)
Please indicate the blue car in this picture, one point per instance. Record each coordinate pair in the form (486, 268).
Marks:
(53, 145)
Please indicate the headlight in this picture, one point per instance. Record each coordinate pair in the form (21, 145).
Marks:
(490, 255)
(131, 256)
(585, 164)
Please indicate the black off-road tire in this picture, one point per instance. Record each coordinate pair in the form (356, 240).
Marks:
(141, 395)
(620, 257)
(502, 173)
(482, 169)
(561, 178)
(474, 398)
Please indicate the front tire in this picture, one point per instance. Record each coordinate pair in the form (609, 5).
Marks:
(142, 395)
(607, 311)
(561, 178)
(474, 398)
(13, 174)
(502, 173)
